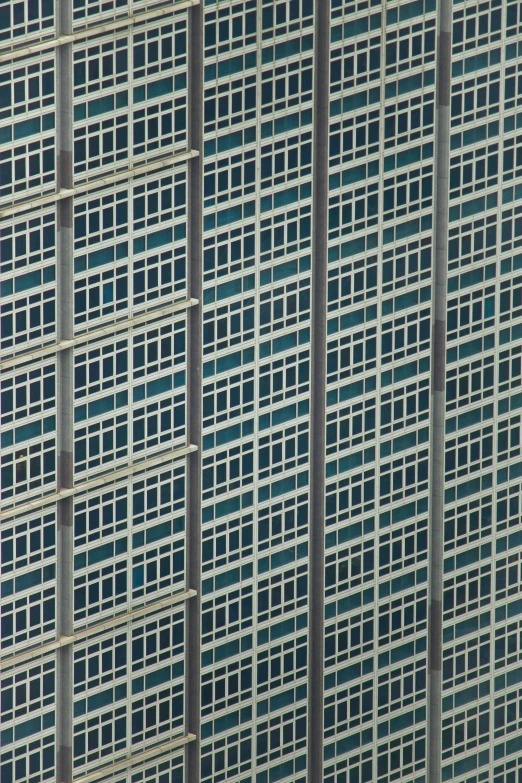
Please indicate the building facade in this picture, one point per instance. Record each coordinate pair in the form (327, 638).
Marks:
(260, 369)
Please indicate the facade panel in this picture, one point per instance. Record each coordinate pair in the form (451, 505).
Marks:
(260, 409)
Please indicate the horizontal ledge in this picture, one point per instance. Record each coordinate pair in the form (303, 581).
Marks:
(116, 475)
(120, 326)
(98, 29)
(86, 187)
(106, 625)
(137, 758)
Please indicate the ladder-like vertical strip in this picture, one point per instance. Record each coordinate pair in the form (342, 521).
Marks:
(65, 322)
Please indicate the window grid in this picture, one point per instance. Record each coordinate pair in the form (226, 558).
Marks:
(403, 547)
(281, 735)
(28, 466)
(226, 686)
(402, 687)
(281, 664)
(348, 568)
(476, 26)
(107, 287)
(469, 522)
(230, 28)
(410, 47)
(123, 72)
(28, 695)
(282, 521)
(348, 638)
(26, 21)
(27, 88)
(466, 730)
(465, 661)
(467, 592)
(129, 543)
(227, 542)
(348, 708)
(28, 604)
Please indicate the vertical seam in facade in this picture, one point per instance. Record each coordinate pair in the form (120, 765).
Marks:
(318, 388)
(64, 361)
(438, 384)
(194, 390)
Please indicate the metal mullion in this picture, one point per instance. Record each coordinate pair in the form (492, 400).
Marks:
(194, 389)
(318, 389)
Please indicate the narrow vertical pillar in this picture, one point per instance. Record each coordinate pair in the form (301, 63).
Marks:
(438, 401)
(318, 388)
(193, 653)
(64, 217)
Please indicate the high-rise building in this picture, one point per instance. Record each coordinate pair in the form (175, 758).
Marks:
(260, 391)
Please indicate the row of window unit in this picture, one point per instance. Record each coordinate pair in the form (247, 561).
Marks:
(234, 25)
(229, 467)
(28, 167)
(345, 285)
(29, 21)
(351, 211)
(469, 315)
(32, 20)
(358, 60)
(478, 718)
(237, 20)
(282, 161)
(286, 79)
(471, 242)
(107, 379)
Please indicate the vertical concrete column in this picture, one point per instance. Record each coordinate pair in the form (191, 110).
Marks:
(318, 389)
(64, 151)
(438, 393)
(193, 635)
